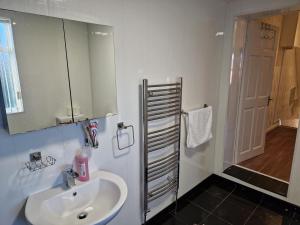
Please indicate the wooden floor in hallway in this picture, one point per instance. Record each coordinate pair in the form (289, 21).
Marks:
(276, 161)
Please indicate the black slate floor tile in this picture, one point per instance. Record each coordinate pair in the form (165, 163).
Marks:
(223, 183)
(221, 188)
(283, 189)
(206, 200)
(295, 222)
(295, 213)
(165, 219)
(171, 221)
(212, 220)
(248, 194)
(278, 206)
(263, 216)
(235, 210)
(218, 192)
(239, 173)
(190, 214)
(258, 180)
(219, 181)
(269, 184)
(222, 202)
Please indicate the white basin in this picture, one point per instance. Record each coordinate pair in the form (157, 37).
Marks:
(98, 200)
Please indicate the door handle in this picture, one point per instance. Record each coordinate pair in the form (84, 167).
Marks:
(269, 100)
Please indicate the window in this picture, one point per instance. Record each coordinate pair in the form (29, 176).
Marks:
(9, 74)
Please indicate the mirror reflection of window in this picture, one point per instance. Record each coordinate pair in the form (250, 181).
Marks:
(9, 74)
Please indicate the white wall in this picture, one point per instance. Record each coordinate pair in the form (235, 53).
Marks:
(237, 8)
(153, 39)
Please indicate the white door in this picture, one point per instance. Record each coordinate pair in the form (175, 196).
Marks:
(261, 43)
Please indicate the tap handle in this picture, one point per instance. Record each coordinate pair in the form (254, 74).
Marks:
(75, 174)
(70, 171)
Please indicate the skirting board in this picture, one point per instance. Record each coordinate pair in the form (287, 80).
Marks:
(272, 127)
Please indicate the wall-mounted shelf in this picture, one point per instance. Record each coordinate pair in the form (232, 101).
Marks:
(36, 162)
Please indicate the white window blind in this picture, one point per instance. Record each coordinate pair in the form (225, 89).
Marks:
(9, 70)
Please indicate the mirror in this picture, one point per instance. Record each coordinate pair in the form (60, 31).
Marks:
(91, 64)
(33, 58)
(54, 71)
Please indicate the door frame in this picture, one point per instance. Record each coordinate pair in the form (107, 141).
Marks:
(224, 129)
(241, 31)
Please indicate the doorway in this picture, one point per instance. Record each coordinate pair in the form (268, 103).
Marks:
(266, 57)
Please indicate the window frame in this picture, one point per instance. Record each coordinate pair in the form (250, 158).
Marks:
(10, 50)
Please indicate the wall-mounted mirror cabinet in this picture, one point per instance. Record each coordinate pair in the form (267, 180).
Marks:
(54, 71)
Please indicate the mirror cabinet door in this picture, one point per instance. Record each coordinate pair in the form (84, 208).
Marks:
(54, 71)
(33, 71)
(90, 50)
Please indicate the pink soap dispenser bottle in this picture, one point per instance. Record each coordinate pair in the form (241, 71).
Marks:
(82, 163)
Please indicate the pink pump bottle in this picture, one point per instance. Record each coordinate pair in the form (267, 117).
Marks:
(82, 164)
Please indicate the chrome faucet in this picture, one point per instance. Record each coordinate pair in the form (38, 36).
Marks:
(69, 177)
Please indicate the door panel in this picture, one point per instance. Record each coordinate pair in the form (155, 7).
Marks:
(265, 77)
(248, 115)
(252, 74)
(259, 133)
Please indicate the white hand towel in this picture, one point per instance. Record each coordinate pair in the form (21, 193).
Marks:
(199, 124)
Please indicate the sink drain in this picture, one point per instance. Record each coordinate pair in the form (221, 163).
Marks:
(82, 215)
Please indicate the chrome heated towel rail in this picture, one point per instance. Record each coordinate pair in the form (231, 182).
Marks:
(161, 138)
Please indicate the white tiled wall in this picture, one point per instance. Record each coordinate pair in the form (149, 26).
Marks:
(153, 39)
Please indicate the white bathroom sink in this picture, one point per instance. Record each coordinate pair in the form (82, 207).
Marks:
(96, 201)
